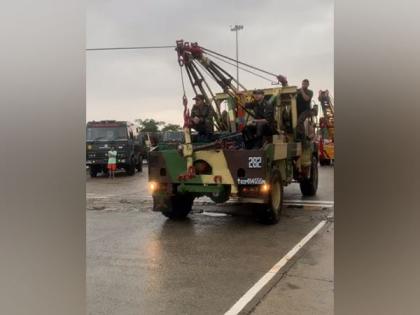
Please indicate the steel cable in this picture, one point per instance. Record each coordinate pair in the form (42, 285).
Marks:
(243, 69)
(240, 62)
(126, 48)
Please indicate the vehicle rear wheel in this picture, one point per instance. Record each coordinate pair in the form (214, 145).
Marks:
(270, 213)
(140, 164)
(177, 206)
(324, 162)
(309, 185)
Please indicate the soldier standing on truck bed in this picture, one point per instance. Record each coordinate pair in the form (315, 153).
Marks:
(263, 123)
(304, 97)
(202, 118)
(305, 128)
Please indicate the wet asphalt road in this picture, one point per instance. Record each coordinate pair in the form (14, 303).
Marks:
(138, 262)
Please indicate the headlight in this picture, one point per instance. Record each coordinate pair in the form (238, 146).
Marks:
(153, 187)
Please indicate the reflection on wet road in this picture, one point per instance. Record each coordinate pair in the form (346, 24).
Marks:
(138, 262)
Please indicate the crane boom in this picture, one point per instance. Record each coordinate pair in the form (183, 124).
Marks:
(196, 60)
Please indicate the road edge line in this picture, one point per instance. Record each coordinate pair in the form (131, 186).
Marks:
(249, 299)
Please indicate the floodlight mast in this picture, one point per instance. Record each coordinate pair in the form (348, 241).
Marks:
(235, 29)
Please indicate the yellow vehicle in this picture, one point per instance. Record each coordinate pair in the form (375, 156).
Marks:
(326, 129)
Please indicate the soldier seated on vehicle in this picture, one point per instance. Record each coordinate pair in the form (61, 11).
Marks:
(202, 119)
(262, 125)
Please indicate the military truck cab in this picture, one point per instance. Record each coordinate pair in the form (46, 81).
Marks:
(124, 136)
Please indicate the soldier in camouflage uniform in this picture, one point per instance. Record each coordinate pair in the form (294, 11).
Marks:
(202, 118)
(263, 123)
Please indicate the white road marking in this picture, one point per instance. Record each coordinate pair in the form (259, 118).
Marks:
(308, 203)
(214, 214)
(311, 201)
(251, 293)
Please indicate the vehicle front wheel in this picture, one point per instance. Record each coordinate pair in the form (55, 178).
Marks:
(175, 207)
(270, 213)
(131, 169)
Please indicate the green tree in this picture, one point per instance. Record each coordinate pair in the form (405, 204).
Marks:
(171, 127)
(149, 125)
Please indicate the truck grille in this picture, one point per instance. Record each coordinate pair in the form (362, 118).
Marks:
(97, 155)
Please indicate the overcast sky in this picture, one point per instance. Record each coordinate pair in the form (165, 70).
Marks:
(293, 38)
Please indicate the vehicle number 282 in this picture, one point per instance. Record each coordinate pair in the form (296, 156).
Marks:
(254, 161)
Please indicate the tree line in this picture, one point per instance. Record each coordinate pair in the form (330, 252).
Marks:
(152, 125)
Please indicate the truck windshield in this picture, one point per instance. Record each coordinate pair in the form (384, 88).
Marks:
(106, 133)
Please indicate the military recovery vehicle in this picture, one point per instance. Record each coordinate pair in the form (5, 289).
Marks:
(224, 168)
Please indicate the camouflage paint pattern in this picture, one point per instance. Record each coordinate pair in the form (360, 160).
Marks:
(234, 167)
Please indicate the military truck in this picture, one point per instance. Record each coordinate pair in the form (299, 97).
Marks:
(223, 168)
(124, 136)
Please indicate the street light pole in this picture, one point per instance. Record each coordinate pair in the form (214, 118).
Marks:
(237, 28)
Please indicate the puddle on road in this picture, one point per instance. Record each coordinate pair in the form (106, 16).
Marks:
(96, 208)
(294, 206)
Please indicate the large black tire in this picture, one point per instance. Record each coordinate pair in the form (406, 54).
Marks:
(324, 162)
(309, 186)
(130, 168)
(140, 164)
(93, 172)
(270, 213)
(177, 206)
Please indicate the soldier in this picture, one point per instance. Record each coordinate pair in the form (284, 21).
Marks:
(263, 123)
(304, 97)
(202, 118)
